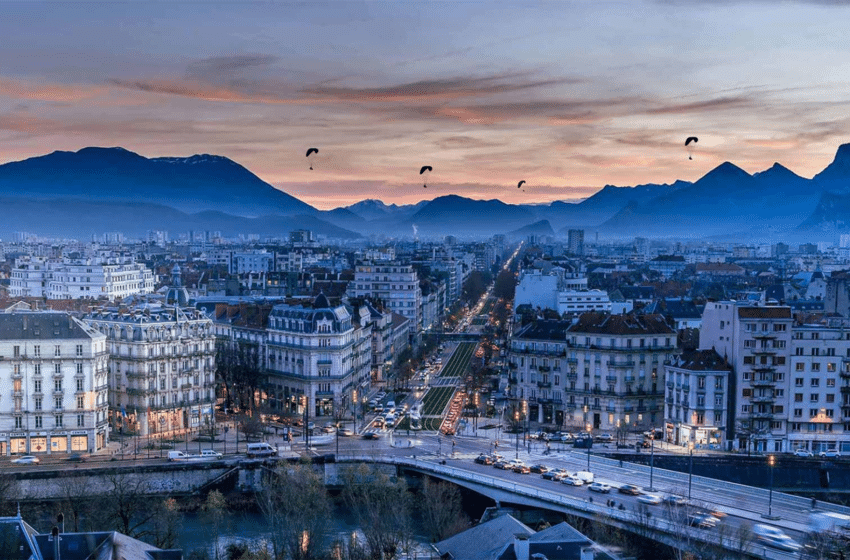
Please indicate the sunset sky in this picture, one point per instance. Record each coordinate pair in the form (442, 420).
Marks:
(567, 96)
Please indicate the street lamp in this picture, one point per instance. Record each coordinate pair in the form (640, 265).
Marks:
(516, 431)
(588, 442)
(651, 459)
(690, 467)
(771, 462)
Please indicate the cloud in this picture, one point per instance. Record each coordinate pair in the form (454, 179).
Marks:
(201, 90)
(39, 91)
(448, 88)
(218, 65)
(718, 104)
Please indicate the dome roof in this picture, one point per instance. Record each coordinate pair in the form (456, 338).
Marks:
(321, 302)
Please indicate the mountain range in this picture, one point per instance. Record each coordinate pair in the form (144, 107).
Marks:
(93, 190)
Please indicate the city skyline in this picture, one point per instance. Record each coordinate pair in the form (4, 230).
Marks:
(488, 95)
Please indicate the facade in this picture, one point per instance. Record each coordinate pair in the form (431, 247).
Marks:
(572, 302)
(76, 279)
(599, 371)
(161, 367)
(697, 399)
(53, 372)
(575, 242)
(537, 290)
(318, 356)
(396, 285)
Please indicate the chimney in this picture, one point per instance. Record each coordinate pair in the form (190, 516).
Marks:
(521, 546)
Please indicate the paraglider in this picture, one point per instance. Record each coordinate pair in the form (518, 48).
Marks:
(690, 148)
(310, 152)
(423, 170)
(518, 185)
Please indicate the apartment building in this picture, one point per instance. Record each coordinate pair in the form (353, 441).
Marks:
(79, 279)
(697, 385)
(161, 367)
(53, 374)
(396, 285)
(318, 356)
(599, 370)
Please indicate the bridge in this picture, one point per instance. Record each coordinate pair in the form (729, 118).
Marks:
(743, 505)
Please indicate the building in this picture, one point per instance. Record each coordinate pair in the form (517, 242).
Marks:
(318, 356)
(162, 367)
(599, 371)
(697, 399)
(53, 373)
(575, 242)
(79, 279)
(837, 299)
(571, 302)
(667, 265)
(20, 541)
(396, 285)
(537, 290)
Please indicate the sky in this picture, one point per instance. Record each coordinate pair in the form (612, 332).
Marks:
(568, 96)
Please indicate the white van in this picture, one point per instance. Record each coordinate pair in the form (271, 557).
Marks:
(584, 476)
(177, 456)
(261, 449)
(390, 420)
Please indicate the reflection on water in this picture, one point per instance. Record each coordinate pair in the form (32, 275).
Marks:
(250, 528)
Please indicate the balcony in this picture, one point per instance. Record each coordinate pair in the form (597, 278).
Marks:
(641, 409)
(621, 363)
(844, 372)
(630, 379)
(572, 375)
(544, 384)
(573, 361)
(670, 384)
(764, 351)
(611, 378)
(845, 389)
(762, 415)
(513, 380)
(544, 368)
(18, 394)
(763, 368)
(763, 399)
(764, 336)
(762, 382)
(686, 388)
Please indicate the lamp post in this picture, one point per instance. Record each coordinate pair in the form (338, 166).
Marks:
(588, 443)
(690, 467)
(651, 459)
(771, 462)
(516, 431)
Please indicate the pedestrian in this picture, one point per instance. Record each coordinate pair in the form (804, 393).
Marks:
(814, 503)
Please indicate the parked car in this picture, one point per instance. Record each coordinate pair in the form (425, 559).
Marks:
(604, 438)
(599, 487)
(503, 465)
(702, 520)
(649, 499)
(775, 537)
(521, 469)
(803, 453)
(630, 489)
(555, 474)
(539, 469)
(484, 460)
(27, 460)
(210, 454)
(830, 454)
(572, 481)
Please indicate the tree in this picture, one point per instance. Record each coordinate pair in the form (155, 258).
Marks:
(442, 510)
(214, 512)
(382, 508)
(125, 506)
(296, 506)
(167, 524)
(240, 369)
(505, 286)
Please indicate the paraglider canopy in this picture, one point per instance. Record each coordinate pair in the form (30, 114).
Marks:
(423, 170)
(691, 139)
(312, 151)
(518, 185)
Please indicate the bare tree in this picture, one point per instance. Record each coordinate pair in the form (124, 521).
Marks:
(296, 506)
(167, 524)
(382, 508)
(442, 510)
(214, 513)
(125, 505)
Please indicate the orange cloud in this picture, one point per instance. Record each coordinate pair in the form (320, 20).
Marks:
(36, 91)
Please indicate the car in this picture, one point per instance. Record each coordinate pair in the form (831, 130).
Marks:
(379, 408)
(572, 481)
(502, 465)
(830, 454)
(600, 487)
(702, 520)
(649, 499)
(539, 469)
(27, 460)
(775, 537)
(555, 474)
(76, 458)
(630, 489)
(675, 500)
(604, 438)
(328, 430)
(210, 454)
(521, 469)
(370, 435)
(484, 460)
(346, 432)
(803, 453)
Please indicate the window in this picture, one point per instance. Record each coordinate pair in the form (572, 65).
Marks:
(815, 382)
(81, 420)
(830, 367)
(36, 369)
(36, 350)
(16, 351)
(57, 350)
(79, 350)
(798, 412)
(814, 397)
(798, 381)
(81, 402)
(19, 422)
(830, 382)
(38, 403)
(830, 398)
(813, 412)
(57, 384)
(798, 397)
(749, 360)
(58, 420)
(815, 366)
(37, 385)
(57, 402)
(38, 423)
(79, 385)
(745, 408)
